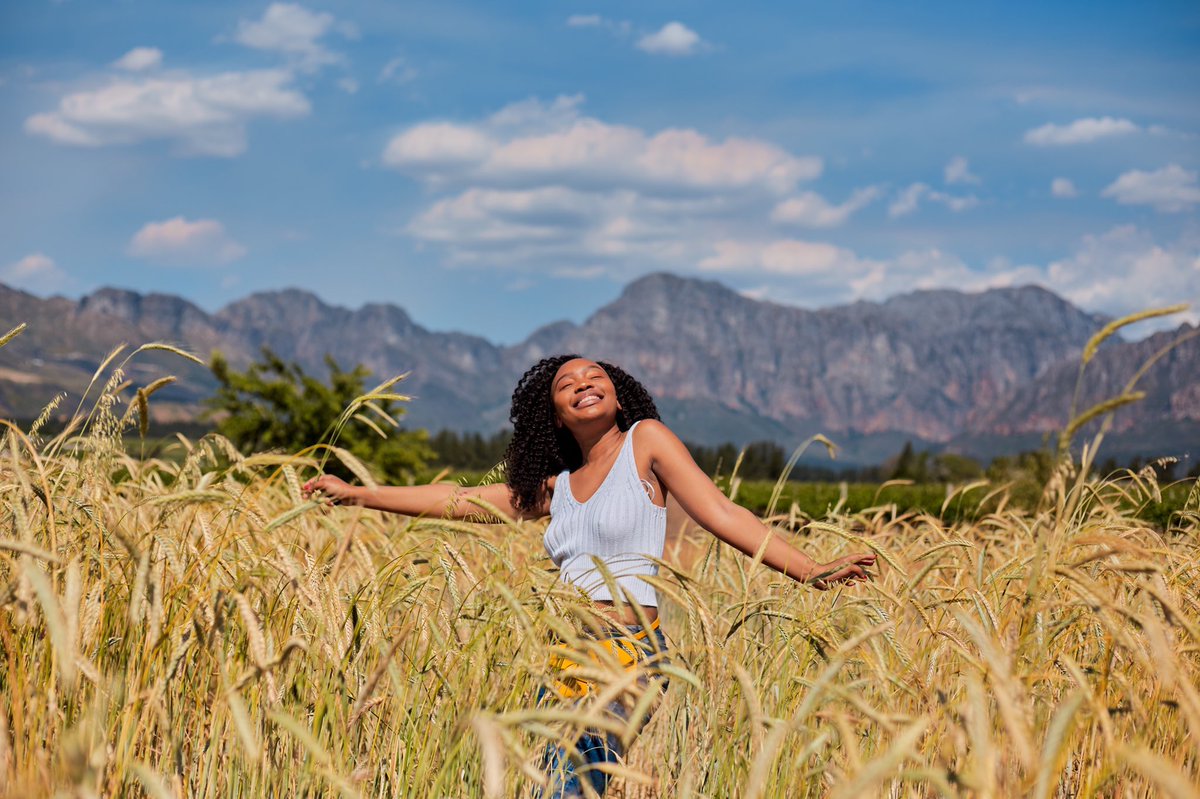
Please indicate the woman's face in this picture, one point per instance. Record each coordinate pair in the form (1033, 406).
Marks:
(582, 392)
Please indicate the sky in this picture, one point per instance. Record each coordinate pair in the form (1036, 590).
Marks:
(494, 167)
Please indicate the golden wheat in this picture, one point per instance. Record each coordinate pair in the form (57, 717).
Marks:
(1048, 653)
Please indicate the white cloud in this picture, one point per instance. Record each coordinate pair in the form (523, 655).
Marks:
(1118, 272)
(830, 274)
(532, 144)
(198, 115)
(542, 186)
(911, 197)
(398, 71)
(1063, 188)
(958, 170)
(348, 85)
(812, 210)
(547, 227)
(1081, 131)
(532, 116)
(955, 204)
(585, 20)
(437, 148)
(140, 59)
(183, 242)
(1125, 270)
(35, 272)
(620, 28)
(908, 199)
(295, 32)
(1171, 189)
(812, 259)
(674, 39)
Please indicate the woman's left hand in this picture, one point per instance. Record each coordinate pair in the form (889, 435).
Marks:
(849, 569)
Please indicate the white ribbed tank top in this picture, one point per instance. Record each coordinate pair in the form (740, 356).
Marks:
(618, 525)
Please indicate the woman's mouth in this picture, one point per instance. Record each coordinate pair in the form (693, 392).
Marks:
(588, 400)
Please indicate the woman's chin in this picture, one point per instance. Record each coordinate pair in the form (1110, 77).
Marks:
(592, 416)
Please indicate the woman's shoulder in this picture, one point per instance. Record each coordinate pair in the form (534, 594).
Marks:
(648, 434)
(650, 428)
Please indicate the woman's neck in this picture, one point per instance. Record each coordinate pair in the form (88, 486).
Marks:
(600, 443)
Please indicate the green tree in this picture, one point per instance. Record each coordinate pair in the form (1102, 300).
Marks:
(955, 468)
(911, 465)
(274, 405)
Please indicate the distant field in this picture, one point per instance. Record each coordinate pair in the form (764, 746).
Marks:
(951, 502)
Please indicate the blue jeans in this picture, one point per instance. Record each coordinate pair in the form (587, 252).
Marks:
(567, 766)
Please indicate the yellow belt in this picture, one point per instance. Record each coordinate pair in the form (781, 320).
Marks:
(627, 653)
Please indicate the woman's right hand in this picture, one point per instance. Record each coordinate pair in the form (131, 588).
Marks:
(337, 490)
(849, 569)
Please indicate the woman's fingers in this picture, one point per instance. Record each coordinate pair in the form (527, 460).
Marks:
(325, 484)
(849, 569)
(850, 573)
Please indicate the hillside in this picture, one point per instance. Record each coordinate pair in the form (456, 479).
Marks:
(937, 367)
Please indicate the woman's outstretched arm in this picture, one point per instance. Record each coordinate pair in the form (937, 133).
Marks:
(438, 501)
(733, 524)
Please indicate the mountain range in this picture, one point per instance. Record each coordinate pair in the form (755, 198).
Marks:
(980, 373)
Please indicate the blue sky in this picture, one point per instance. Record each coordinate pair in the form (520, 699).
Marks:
(495, 167)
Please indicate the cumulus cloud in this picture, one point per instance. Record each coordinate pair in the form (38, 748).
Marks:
(140, 59)
(585, 21)
(551, 228)
(959, 171)
(1081, 131)
(1171, 189)
(621, 28)
(534, 144)
(198, 115)
(35, 272)
(1063, 188)
(1125, 270)
(436, 149)
(812, 210)
(817, 274)
(532, 116)
(910, 198)
(398, 71)
(1117, 272)
(674, 38)
(795, 257)
(542, 188)
(184, 242)
(294, 32)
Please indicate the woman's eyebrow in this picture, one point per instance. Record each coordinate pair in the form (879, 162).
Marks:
(584, 370)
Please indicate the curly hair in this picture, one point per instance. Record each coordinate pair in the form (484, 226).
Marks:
(539, 449)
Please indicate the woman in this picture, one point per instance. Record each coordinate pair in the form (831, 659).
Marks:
(589, 450)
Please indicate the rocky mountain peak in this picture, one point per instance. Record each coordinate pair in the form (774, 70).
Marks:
(157, 315)
(928, 365)
(285, 308)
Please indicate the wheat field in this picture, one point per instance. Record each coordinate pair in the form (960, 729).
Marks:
(189, 626)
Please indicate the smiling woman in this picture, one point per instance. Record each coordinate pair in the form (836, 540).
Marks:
(589, 450)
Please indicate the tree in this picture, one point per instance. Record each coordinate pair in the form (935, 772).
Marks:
(911, 465)
(274, 405)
